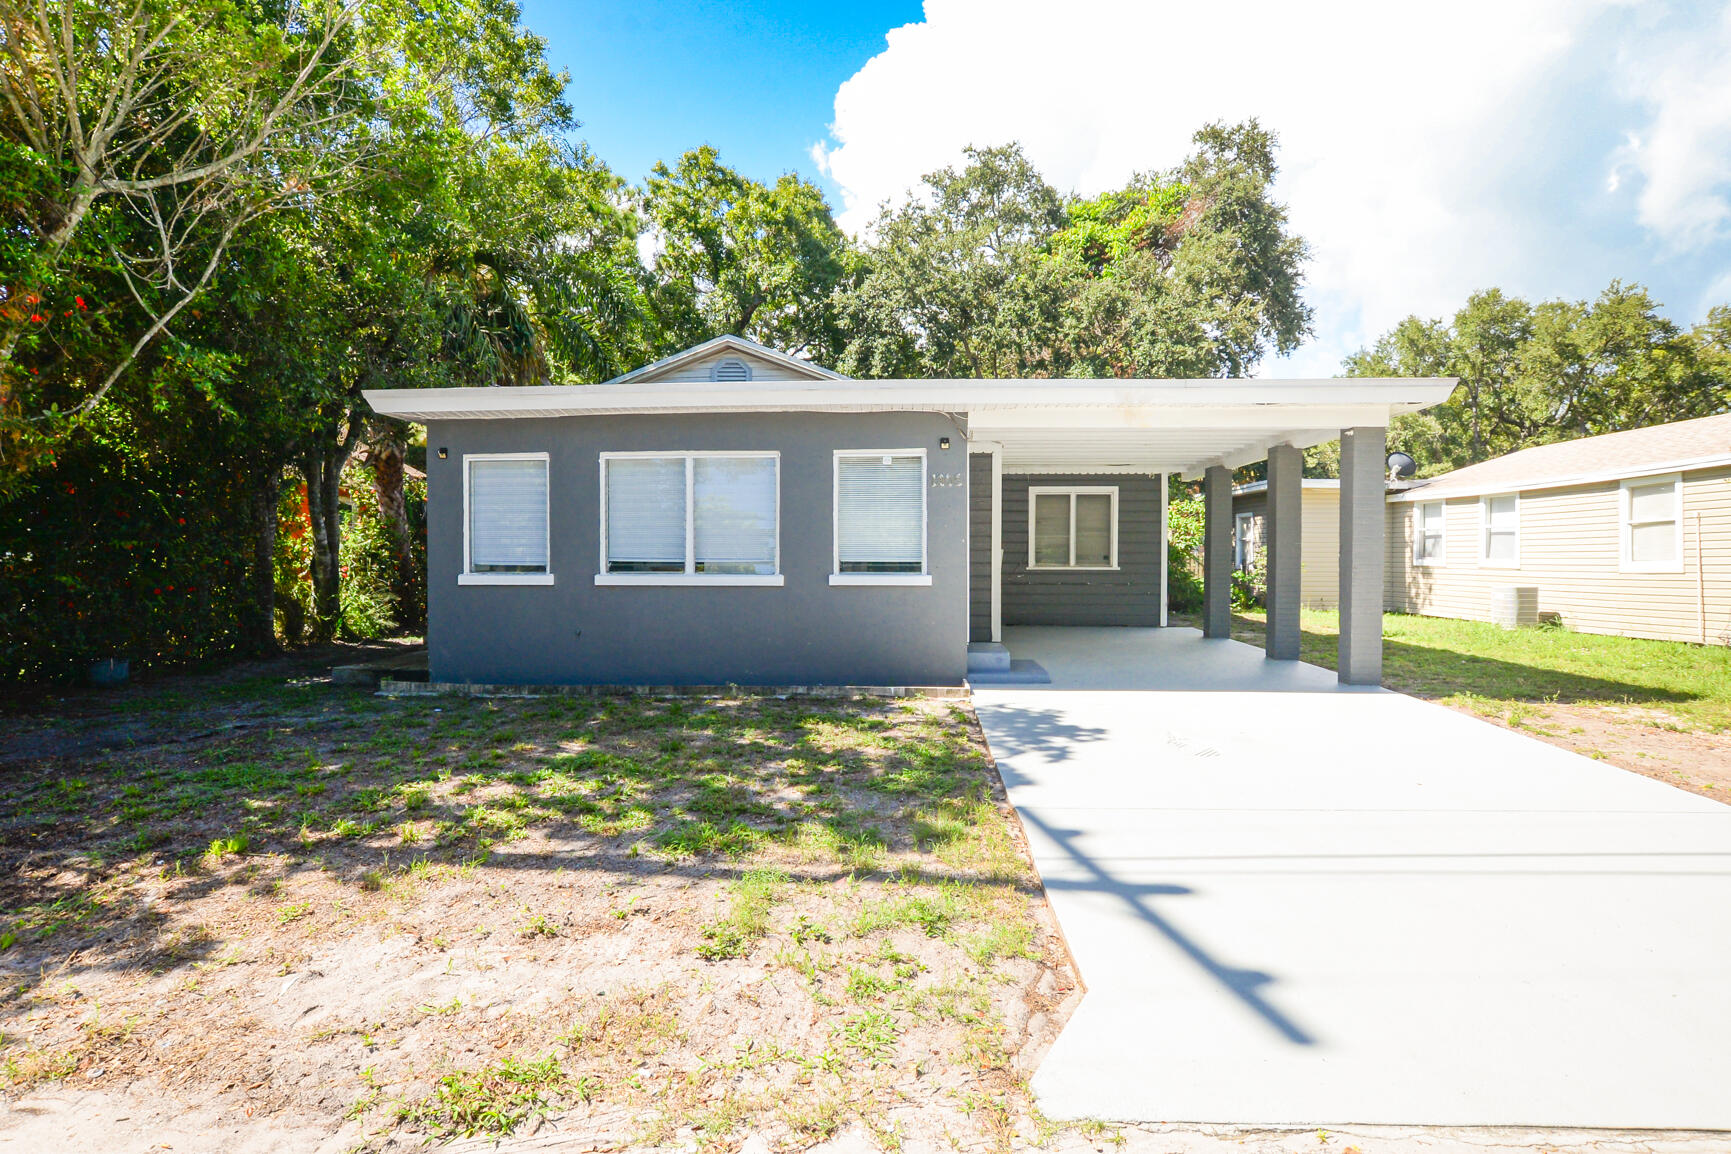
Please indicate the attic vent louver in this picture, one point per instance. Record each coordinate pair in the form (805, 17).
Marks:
(731, 369)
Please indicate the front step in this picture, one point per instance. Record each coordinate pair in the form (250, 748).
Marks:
(988, 657)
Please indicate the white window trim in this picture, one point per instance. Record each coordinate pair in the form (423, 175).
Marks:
(1485, 532)
(1625, 546)
(691, 577)
(1241, 523)
(836, 576)
(1073, 491)
(469, 577)
(1442, 549)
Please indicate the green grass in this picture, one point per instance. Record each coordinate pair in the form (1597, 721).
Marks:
(1460, 661)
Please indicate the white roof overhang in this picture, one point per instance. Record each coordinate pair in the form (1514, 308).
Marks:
(1039, 426)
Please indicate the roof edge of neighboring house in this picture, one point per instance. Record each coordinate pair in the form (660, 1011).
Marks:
(1250, 488)
(1439, 488)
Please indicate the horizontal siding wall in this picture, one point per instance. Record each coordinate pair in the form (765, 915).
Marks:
(979, 546)
(1569, 552)
(1129, 595)
(1319, 542)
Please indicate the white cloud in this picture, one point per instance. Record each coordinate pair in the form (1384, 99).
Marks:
(1426, 152)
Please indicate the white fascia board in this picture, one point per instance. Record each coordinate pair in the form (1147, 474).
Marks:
(991, 403)
(1437, 491)
(731, 344)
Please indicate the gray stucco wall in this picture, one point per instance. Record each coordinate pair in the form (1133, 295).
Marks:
(1129, 595)
(979, 547)
(804, 632)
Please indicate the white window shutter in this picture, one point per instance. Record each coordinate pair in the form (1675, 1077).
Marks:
(880, 514)
(646, 514)
(508, 516)
(734, 500)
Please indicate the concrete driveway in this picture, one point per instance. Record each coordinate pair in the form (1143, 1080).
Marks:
(1299, 905)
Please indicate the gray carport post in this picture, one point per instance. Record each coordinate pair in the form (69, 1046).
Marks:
(1363, 527)
(1284, 551)
(1217, 548)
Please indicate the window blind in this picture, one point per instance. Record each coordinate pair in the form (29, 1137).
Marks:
(646, 515)
(1093, 529)
(880, 514)
(734, 499)
(1052, 529)
(1652, 522)
(1427, 543)
(1502, 529)
(507, 516)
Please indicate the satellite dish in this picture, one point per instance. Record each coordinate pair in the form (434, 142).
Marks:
(1401, 466)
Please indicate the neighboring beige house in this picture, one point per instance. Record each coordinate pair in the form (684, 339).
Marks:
(1626, 533)
(1319, 537)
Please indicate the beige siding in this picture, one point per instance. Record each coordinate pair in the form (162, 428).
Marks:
(761, 369)
(1569, 546)
(1319, 542)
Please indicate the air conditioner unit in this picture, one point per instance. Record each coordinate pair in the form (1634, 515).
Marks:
(1515, 606)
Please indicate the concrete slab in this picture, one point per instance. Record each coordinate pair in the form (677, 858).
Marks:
(1298, 904)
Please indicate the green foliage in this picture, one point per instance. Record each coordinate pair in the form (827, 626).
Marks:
(119, 547)
(1185, 524)
(1533, 374)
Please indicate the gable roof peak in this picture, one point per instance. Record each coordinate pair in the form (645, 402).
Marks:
(726, 344)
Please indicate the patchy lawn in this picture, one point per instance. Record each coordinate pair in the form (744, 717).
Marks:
(1660, 708)
(266, 907)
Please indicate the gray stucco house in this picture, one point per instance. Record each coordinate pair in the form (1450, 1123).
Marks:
(734, 515)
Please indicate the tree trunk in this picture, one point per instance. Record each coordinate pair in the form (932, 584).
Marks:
(322, 466)
(259, 626)
(386, 455)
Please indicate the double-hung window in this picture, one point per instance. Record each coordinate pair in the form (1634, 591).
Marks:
(505, 520)
(1071, 528)
(880, 518)
(1427, 533)
(1652, 525)
(690, 519)
(1500, 531)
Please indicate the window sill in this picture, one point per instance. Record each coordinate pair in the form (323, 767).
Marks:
(1499, 564)
(1418, 564)
(1074, 568)
(504, 578)
(1650, 567)
(691, 579)
(880, 578)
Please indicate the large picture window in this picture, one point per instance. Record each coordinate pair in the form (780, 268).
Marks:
(880, 518)
(1427, 533)
(1652, 533)
(505, 534)
(1500, 537)
(1073, 528)
(690, 518)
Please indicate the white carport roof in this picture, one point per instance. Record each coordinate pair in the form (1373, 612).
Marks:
(1039, 426)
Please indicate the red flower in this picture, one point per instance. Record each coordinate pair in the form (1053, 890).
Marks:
(183, 520)
(156, 593)
(81, 304)
(32, 299)
(35, 318)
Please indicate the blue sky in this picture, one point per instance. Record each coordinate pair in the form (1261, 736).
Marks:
(756, 80)
(1541, 146)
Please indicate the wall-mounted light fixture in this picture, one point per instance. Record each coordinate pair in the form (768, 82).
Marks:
(443, 453)
(943, 442)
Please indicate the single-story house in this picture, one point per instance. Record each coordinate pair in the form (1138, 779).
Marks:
(1626, 533)
(735, 515)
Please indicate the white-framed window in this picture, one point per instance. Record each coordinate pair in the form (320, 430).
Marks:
(1429, 539)
(684, 518)
(505, 520)
(1073, 527)
(1500, 531)
(1652, 524)
(880, 517)
(1246, 536)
